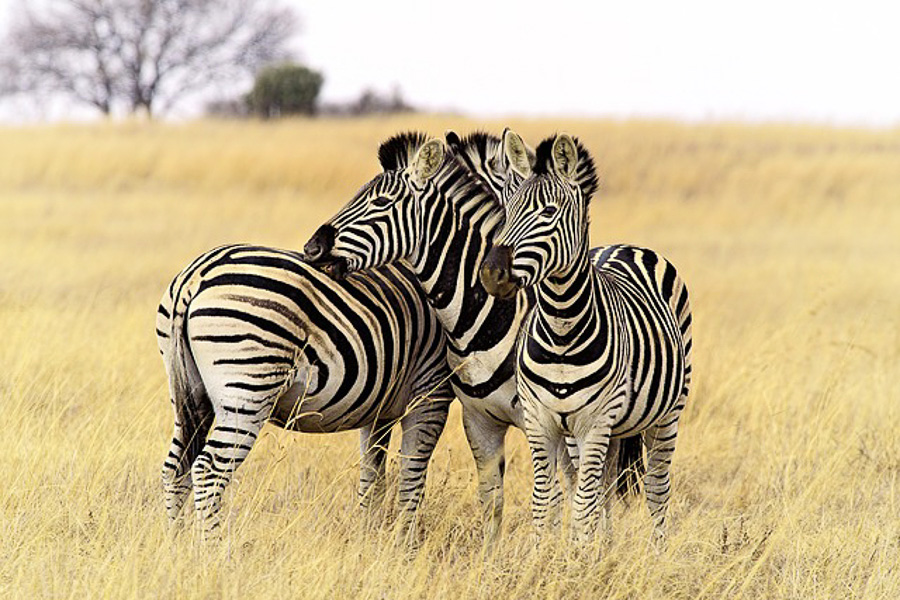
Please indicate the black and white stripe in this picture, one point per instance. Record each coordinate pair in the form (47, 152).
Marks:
(432, 210)
(251, 335)
(607, 351)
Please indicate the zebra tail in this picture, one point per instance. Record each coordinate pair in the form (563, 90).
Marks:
(631, 465)
(193, 408)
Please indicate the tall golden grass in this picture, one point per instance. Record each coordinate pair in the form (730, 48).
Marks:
(786, 475)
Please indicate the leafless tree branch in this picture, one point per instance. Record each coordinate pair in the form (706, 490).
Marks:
(142, 55)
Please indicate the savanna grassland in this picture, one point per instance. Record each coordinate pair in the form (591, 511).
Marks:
(786, 482)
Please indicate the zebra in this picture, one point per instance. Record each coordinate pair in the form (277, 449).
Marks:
(607, 351)
(485, 156)
(427, 208)
(250, 334)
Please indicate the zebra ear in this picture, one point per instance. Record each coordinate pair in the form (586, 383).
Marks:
(514, 150)
(428, 160)
(452, 139)
(565, 156)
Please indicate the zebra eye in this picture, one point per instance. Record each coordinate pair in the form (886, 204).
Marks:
(549, 210)
(381, 201)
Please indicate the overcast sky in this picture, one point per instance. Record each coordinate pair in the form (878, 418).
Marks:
(692, 59)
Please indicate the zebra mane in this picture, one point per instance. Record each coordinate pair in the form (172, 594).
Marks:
(396, 152)
(473, 152)
(480, 144)
(585, 175)
(475, 149)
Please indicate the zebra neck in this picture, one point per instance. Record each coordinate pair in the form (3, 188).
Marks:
(458, 228)
(570, 306)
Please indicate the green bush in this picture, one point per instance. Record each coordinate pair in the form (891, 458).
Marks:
(284, 90)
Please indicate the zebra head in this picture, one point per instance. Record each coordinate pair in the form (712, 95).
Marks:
(546, 214)
(379, 224)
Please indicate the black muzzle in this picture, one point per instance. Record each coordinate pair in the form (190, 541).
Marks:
(317, 251)
(320, 244)
(496, 273)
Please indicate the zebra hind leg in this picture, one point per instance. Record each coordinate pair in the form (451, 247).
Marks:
(374, 440)
(231, 439)
(186, 444)
(176, 480)
(660, 441)
(422, 427)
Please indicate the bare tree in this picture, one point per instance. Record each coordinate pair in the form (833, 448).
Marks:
(143, 55)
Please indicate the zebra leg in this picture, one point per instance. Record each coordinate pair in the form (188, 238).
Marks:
(544, 443)
(374, 440)
(660, 440)
(486, 439)
(590, 496)
(176, 469)
(422, 427)
(176, 482)
(567, 457)
(226, 448)
(608, 486)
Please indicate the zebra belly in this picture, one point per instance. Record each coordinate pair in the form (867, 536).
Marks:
(297, 410)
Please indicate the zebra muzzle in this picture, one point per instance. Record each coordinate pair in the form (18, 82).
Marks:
(320, 244)
(496, 273)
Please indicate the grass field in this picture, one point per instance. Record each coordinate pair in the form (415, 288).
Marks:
(786, 475)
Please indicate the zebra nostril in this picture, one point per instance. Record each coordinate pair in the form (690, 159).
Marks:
(312, 249)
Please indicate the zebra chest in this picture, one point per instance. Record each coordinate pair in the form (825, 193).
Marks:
(485, 382)
(564, 385)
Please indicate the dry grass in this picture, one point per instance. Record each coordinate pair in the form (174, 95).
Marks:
(786, 476)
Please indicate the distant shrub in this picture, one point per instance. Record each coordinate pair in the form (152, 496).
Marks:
(285, 90)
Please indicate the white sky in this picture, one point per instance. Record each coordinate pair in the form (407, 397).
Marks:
(690, 59)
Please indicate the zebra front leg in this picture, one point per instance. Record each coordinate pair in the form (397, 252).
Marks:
(591, 497)
(544, 443)
(608, 486)
(422, 427)
(374, 440)
(567, 457)
(226, 448)
(660, 441)
(486, 439)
